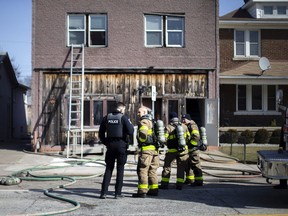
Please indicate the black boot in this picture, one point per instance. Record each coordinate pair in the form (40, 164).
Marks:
(139, 195)
(152, 193)
(197, 183)
(163, 187)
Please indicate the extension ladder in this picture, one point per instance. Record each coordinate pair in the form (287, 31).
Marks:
(75, 135)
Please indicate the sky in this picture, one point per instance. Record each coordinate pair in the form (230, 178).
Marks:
(16, 30)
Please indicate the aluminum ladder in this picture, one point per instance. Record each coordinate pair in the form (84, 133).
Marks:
(75, 134)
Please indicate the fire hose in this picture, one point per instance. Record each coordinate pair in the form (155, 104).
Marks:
(26, 175)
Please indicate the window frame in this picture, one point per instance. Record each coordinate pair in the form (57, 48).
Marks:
(170, 31)
(275, 11)
(105, 30)
(87, 29)
(75, 30)
(264, 100)
(247, 43)
(164, 31)
(89, 101)
(153, 30)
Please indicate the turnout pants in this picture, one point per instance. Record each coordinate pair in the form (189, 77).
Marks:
(194, 166)
(148, 163)
(182, 160)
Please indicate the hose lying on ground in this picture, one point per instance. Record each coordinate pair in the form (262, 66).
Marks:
(25, 174)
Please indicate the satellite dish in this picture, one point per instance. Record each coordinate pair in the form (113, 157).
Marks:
(264, 64)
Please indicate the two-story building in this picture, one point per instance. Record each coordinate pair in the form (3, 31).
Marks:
(130, 47)
(254, 63)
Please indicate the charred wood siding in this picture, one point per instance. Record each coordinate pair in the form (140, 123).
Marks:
(121, 86)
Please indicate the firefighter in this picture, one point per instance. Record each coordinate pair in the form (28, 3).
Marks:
(282, 148)
(177, 135)
(119, 130)
(195, 174)
(148, 159)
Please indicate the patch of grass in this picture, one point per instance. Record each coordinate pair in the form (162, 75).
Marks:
(237, 151)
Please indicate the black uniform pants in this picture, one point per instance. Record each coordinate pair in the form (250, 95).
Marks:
(116, 151)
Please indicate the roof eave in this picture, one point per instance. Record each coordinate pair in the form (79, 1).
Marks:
(275, 24)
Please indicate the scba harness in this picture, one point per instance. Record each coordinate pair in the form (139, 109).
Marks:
(155, 135)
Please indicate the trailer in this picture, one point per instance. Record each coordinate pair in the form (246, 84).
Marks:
(273, 164)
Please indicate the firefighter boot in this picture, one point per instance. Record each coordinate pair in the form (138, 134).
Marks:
(139, 195)
(164, 187)
(153, 192)
(197, 183)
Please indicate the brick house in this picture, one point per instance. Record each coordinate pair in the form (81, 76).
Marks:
(13, 103)
(254, 34)
(129, 47)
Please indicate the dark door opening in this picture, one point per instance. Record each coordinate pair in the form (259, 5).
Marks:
(194, 107)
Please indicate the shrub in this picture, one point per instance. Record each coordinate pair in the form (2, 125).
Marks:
(231, 136)
(275, 137)
(262, 136)
(246, 136)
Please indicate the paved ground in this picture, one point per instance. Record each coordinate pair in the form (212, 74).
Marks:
(231, 188)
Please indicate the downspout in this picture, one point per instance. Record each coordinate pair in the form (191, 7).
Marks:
(217, 94)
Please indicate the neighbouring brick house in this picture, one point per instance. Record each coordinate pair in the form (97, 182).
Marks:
(129, 46)
(13, 103)
(256, 32)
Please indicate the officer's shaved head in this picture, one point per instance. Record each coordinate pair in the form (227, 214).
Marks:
(142, 111)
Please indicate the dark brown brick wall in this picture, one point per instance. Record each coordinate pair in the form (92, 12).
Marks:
(126, 33)
(274, 46)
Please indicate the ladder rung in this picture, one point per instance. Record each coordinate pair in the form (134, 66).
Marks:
(75, 119)
(75, 111)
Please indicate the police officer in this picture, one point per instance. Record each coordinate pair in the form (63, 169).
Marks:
(148, 159)
(117, 127)
(176, 150)
(194, 157)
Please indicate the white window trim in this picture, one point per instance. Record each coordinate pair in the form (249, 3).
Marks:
(249, 111)
(275, 11)
(168, 31)
(99, 30)
(146, 31)
(247, 43)
(76, 30)
(162, 32)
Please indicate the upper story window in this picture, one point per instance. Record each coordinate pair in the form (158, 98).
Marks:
(90, 30)
(274, 11)
(281, 10)
(268, 10)
(246, 43)
(164, 31)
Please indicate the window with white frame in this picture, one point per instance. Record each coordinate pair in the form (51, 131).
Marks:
(164, 31)
(256, 98)
(268, 10)
(246, 43)
(274, 11)
(87, 29)
(281, 10)
(76, 29)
